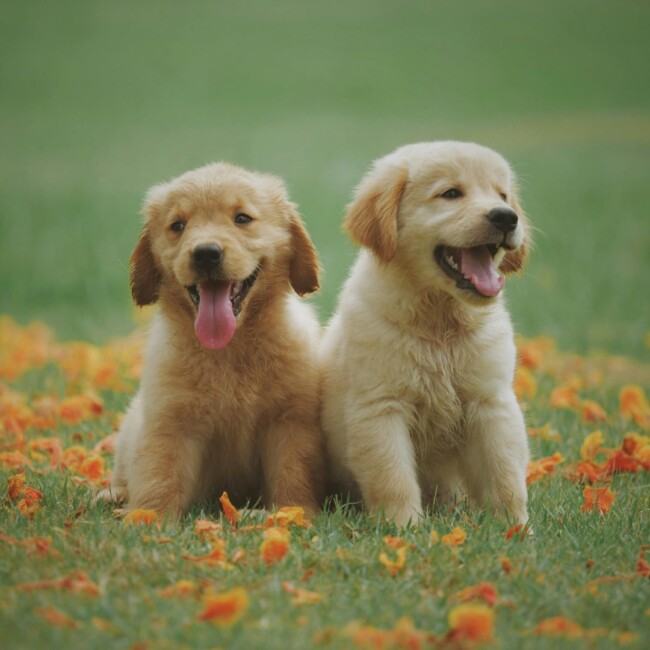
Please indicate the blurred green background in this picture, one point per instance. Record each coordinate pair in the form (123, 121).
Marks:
(99, 100)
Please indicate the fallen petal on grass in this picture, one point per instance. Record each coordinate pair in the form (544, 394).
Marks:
(471, 622)
(600, 499)
(396, 564)
(76, 583)
(538, 469)
(140, 517)
(484, 591)
(287, 516)
(275, 545)
(56, 617)
(230, 512)
(456, 537)
(301, 596)
(225, 609)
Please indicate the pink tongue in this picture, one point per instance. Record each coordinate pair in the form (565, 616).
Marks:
(215, 322)
(477, 266)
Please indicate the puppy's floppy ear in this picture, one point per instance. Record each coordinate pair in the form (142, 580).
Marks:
(514, 261)
(371, 220)
(145, 272)
(304, 266)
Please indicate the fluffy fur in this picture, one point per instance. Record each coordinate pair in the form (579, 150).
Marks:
(419, 362)
(242, 417)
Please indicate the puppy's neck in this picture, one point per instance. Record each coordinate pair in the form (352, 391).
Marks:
(428, 312)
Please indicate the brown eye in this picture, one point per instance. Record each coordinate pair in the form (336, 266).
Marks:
(503, 196)
(452, 193)
(242, 219)
(178, 226)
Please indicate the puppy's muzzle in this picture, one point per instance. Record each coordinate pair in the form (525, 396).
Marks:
(503, 219)
(207, 258)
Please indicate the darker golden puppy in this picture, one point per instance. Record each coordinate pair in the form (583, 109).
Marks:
(228, 397)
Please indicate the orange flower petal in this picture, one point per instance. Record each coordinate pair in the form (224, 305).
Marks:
(287, 516)
(207, 529)
(566, 395)
(394, 542)
(396, 565)
(106, 445)
(230, 512)
(226, 608)
(472, 622)
(72, 457)
(140, 516)
(181, 588)
(51, 446)
(216, 557)
(56, 617)
(538, 469)
(485, 591)
(512, 531)
(642, 565)
(634, 405)
(275, 545)
(77, 583)
(531, 352)
(600, 499)
(525, 384)
(506, 564)
(590, 471)
(591, 445)
(592, 411)
(15, 486)
(455, 538)
(13, 459)
(301, 596)
(92, 467)
(558, 626)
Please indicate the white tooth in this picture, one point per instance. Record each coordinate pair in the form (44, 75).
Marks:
(499, 255)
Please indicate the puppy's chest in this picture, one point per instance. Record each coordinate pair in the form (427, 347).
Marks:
(233, 397)
(437, 389)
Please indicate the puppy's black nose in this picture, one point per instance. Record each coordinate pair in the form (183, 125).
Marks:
(503, 219)
(207, 257)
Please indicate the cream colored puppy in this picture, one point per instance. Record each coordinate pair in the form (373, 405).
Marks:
(229, 393)
(419, 355)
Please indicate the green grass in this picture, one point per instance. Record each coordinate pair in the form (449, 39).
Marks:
(101, 100)
(550, 577)
(336, 557)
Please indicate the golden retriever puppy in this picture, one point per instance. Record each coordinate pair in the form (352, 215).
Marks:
(229, 392)
(418, 397)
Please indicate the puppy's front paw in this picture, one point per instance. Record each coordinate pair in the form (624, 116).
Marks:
(112, 494)
(403, 516)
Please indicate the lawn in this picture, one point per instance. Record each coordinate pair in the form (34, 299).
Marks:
(100, 100)
(74, 574)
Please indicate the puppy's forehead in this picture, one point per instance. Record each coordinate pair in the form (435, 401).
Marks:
(478, 166)
(220, 192)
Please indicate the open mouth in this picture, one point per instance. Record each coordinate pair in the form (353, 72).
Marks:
(236, 291)
(474, 269)
(218, 303)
